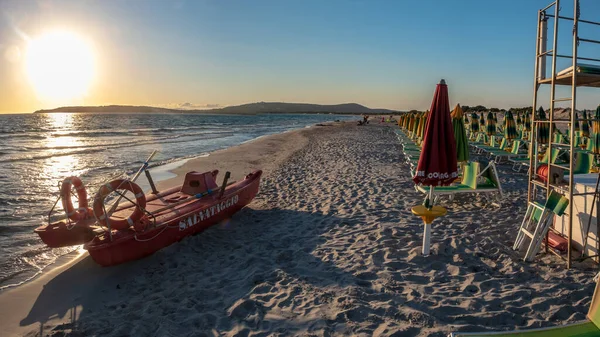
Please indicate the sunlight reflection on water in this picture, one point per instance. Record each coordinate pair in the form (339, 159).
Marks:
(37, 151)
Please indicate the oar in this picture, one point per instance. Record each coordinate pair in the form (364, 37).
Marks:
(193, 197)
(144, 166)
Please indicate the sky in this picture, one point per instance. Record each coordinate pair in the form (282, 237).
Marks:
(382, 54)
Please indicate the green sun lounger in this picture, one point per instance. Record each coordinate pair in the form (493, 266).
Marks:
(559, 139)
(576, 141)
(584, 162)
(554, 157)
(481, 139)
(518, 163)
(537, 221)
(493, 145)
(521, 160)
(501, 147)
(505, 154)
(473, 181)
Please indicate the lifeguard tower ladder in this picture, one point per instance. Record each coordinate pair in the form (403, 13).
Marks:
(574, 78)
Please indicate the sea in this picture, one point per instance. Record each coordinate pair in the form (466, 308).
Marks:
(37, 151)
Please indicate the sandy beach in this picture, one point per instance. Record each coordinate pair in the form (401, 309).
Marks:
(329, 247)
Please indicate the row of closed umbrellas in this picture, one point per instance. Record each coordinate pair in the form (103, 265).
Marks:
(416, 123)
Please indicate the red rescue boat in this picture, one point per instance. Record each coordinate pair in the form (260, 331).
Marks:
(173, 216)
(148, 223)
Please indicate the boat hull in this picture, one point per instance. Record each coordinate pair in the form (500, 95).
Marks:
(58, 234)
(127, 245)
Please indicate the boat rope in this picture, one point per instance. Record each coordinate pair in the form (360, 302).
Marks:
(152, 238)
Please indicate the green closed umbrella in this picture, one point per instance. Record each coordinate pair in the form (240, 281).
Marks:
(595, 136)
(482, 123)
(424, 120)
(576, 124)
(510, 126)
(543, 128)
(460, 134)
(496, 121)
(415, 128)
(527, 122)
(490, 125)
(474, 123)
(585, 125)
(519, 120)
(410, 121)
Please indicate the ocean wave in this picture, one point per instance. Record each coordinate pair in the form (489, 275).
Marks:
(103, 147)
(130, 132)
(116, 144)
(50, 155)
(22, 135)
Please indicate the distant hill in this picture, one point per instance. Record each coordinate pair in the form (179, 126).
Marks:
(244, 109)
(110, 108)
(276, 107)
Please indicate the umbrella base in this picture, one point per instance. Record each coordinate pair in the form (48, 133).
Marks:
(428, 215)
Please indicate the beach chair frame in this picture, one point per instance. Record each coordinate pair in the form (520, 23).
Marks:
(537, 222)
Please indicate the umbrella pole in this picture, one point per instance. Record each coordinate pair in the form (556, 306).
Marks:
(427, 226)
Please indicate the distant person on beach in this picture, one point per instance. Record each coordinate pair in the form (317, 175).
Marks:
(364, 121)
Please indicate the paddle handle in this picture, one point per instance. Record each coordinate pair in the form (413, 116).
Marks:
(225, 179)
(144, 166)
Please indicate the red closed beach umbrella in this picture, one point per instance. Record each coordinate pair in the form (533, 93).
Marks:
(437, 164)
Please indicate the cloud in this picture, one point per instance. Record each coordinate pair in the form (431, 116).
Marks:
(190, 106)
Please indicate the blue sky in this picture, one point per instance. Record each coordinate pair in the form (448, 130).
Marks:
(378, 53)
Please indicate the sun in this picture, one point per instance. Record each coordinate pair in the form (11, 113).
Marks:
(60, 66)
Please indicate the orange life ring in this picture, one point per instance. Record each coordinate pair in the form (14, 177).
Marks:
(542, 172)
(82, 210)
(119, 184)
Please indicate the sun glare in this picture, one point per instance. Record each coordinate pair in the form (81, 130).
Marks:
(60, 66)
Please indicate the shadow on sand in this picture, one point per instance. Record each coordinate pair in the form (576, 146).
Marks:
(258, 245)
